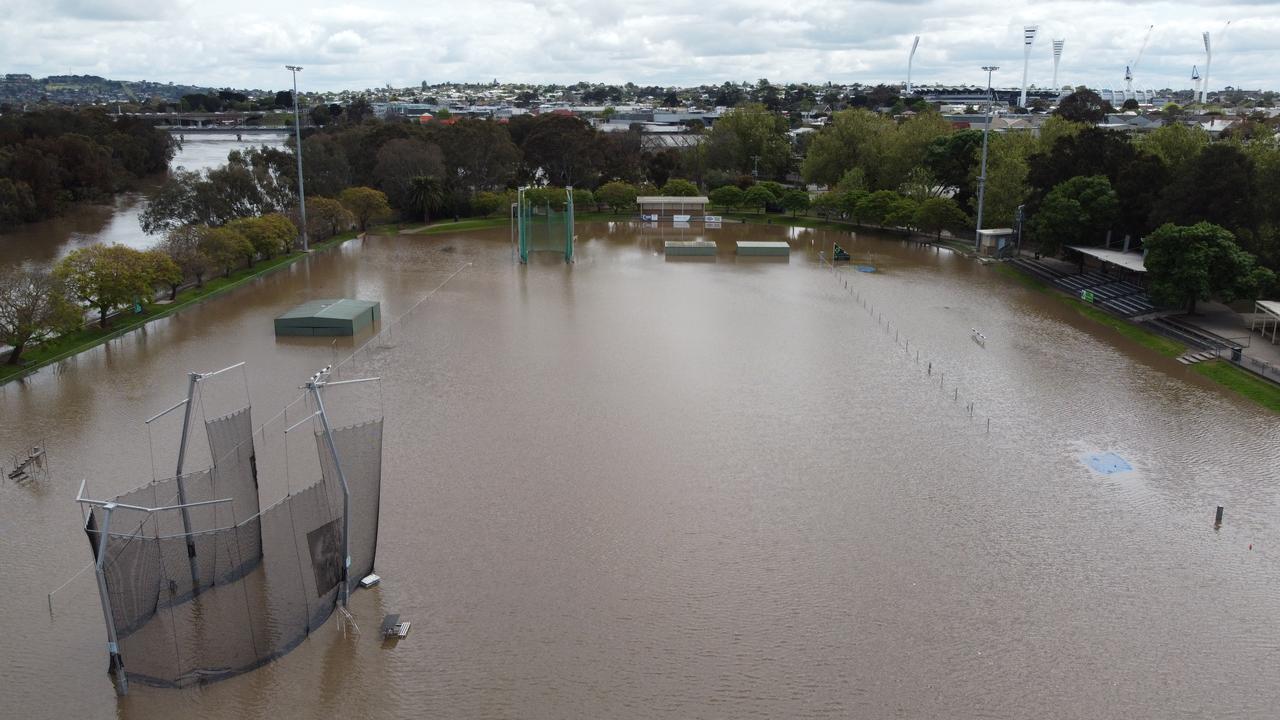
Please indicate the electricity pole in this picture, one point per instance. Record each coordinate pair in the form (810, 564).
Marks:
(982, 176)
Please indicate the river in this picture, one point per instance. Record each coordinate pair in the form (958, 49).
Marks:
(639, 487)
(43, 243)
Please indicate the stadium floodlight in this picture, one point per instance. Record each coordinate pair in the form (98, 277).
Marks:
(1057, 57)
(1028, 39)
(911, 59)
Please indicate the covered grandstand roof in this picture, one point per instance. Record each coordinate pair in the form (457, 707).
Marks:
(1127, 260)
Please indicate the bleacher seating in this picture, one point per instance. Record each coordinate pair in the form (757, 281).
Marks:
(1118, 296)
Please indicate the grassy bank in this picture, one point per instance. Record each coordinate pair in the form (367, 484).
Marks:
(65, 346)
(1264, 393)
(1243, 382)
(449, 226)
(1161, 344)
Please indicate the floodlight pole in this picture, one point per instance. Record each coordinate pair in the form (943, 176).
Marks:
(1028, 39)
(316, 382)
(113, 644)
(297, 129)
(982, 176)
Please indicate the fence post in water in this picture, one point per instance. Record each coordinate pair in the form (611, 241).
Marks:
(988, 426)
(930, 365)
(1217, 518)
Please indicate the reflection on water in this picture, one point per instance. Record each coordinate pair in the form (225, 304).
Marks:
(116, 221)
(638, 488)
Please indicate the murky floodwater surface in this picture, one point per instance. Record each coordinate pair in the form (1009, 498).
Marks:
(639, 487)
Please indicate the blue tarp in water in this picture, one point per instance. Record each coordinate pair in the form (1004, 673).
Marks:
(865, 268)
(1107, 463)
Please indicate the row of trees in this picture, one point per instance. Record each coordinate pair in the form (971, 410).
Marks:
(38, 304)
(49, 158)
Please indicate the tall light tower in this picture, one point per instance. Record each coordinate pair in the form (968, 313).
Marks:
(1057, 57)
(910, 59)
(297, 129)
(982, 176)
(1028, 39)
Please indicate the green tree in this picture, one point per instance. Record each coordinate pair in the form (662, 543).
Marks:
(1006, 187)
(106, 277)
(583, 199)
(951, 159)
(1176, 144)
(182, 245)
(564, 147)
(749, 137)
(758, 196)
(906, 147)
(852, 139)
(400, 164)
(479, 154)
(851, 201)
(427, 195)
(728, 196)
(795, 201)
(326, 217)
(365, 204)
(902, 213)
(164, 271)
(827, 204)
(1186, 264)
(224, 247)
(1084, 106)
(486, 203)
(1217, 186)
(262, 235)
(33, 307)
(617, 195)
(936, 214)
(877, 206)
(676, 187)
(1077, 212)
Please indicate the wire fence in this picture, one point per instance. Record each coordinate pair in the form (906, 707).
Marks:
(931, 368)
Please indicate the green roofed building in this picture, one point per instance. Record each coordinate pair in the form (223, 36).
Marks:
(328, 317)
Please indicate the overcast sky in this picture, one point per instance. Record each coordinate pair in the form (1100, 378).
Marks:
(245, 43)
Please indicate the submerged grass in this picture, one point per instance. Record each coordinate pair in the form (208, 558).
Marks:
(1243, 382)
(1161, 344)
(90, 336)
(1266, 394)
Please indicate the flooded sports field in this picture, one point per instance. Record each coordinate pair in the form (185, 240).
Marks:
(638, 487)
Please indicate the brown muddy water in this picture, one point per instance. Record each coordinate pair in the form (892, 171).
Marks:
(639, 487)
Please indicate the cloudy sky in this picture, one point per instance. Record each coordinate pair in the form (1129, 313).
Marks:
(245, 43)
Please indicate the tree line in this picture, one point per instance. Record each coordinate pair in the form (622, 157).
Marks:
(50, 158)
(39, 304)
(1073, 182)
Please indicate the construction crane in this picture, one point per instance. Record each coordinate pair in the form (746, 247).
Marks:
(1132, 67)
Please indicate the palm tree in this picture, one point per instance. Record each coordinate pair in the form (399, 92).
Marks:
(428, 194)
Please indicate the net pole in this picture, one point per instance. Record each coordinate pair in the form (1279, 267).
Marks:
(568, 226)
(113, 645)
(193, 379)
(314, 387)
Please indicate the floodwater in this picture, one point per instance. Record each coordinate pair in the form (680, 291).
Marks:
(43, 243)
(639, 487)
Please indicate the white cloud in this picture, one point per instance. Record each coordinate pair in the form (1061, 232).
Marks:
(245, 43)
